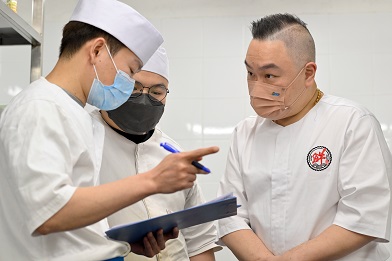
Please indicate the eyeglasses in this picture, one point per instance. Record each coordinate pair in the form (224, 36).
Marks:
(155, 93)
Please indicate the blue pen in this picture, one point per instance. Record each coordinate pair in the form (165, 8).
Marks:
(170, 148)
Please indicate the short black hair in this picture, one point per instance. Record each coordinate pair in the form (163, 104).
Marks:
(289, 29)
(76, 34)
(271, 24)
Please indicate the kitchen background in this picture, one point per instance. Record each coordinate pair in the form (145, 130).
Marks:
(206, 42)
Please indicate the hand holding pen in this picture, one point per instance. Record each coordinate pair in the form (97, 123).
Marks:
(177, 171)
(172, 149)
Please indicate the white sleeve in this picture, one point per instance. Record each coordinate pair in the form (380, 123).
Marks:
(364, 180)
(202, 237)
(231, 181)
(38, 160)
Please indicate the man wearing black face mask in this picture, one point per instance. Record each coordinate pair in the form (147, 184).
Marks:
(132, 146)
(147, 104)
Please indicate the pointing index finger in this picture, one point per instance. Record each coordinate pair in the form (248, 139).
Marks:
(199, 153)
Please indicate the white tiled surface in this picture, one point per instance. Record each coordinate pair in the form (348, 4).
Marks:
(207, 41)
(351, 74)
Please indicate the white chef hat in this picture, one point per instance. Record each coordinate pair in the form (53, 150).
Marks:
(158, 63)
(121, 21)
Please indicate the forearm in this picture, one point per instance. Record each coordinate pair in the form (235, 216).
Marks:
(247, 246)
(88, 205)
(91, 204)
(334, 243)
(205, 256)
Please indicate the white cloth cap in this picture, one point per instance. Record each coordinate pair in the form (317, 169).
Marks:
(121, 21)
(158, 63)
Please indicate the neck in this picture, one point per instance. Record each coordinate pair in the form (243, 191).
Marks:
(67, 75)
(299, 115)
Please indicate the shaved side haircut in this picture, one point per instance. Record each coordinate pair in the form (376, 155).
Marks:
(76, 34)
(292, 31)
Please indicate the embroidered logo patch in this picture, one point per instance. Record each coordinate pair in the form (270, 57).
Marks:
(319, 158)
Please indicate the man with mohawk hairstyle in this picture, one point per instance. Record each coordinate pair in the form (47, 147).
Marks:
(311, 171)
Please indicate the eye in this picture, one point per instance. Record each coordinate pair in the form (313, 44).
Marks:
(138, 87)
(269, 76)
(133, 70)
(250, 73)
(158, 90)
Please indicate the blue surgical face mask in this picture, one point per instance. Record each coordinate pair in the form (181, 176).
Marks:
(110, 97)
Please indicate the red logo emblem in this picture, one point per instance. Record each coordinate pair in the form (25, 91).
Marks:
(319, 158)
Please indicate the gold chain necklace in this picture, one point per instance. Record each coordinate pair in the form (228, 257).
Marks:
(319, 93)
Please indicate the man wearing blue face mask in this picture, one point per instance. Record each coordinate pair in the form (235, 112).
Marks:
(52, 206)
(132, 146)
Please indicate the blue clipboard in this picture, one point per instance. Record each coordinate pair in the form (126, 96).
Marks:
(221, 207)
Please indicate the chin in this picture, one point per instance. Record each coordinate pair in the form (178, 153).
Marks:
(136, 133)
(281, 115)
(278, 115)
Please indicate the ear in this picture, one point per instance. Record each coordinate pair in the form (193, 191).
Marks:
(95, 49)
(310, 73)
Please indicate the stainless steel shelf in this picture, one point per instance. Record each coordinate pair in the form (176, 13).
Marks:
(16, 31)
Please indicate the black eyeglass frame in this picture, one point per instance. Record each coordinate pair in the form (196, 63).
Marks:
(152, 98)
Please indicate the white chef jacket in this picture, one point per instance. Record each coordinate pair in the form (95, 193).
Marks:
(331, 167)
(122, 158)
(47, 149)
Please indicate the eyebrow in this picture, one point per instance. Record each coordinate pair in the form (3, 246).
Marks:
(264, 67)
(140, 66)
(157, 84)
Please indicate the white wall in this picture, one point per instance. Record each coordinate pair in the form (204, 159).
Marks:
(207, 41)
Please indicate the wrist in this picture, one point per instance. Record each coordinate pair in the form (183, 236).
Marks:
(150, 186)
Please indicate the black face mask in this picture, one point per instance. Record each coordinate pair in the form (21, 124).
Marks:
(138, 115)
